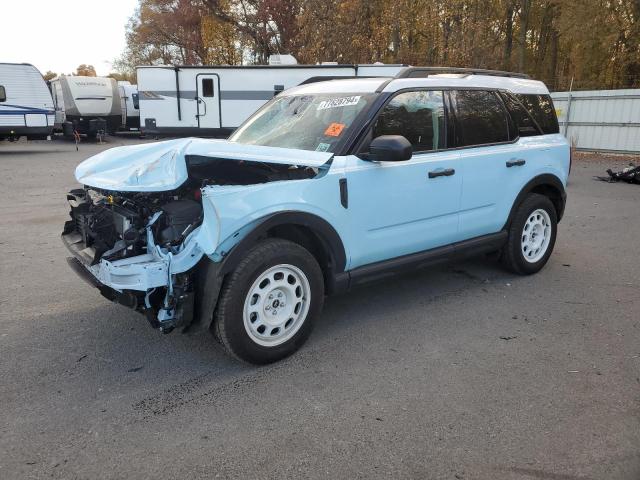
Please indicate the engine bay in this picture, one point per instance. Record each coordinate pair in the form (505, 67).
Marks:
(113, 224)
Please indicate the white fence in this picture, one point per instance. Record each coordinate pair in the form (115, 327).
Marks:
(600, 120)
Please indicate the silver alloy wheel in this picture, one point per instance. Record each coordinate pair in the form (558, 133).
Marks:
(276, 305)
(536, 236)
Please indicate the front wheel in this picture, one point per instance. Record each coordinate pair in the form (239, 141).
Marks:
(532, 235)
(269, 303)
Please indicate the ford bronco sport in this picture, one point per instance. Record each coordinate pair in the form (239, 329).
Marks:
(327, 186)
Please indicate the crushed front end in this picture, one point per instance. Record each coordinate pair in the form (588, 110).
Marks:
(136, 249)
(146, 218)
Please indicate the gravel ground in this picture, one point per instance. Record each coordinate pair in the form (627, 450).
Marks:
(459, 372)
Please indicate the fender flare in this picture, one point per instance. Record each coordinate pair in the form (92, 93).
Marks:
(545, 179)
(319, 226)
(210, 274)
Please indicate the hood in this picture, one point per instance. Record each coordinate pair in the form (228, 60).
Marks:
(161, 166)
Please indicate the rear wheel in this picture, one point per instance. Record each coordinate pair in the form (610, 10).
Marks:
(269, 303)
(532, 235)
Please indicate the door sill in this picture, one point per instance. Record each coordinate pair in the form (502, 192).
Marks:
(448, 253)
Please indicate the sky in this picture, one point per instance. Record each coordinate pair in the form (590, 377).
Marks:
(59, 35)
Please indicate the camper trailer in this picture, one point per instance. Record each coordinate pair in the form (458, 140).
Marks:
(86, 105)
(26, 108)
(129, 105)
(215, 100)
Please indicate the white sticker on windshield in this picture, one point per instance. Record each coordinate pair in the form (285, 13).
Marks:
(339, 102)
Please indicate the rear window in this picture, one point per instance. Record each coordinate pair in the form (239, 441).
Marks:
(481, 118)
(523, 123)
(3, 94)
(542, 110)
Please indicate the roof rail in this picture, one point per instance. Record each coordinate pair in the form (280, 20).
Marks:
(422, 72)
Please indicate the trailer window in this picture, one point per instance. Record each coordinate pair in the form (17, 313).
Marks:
(207, 87)
(3, 94)
(136, 101)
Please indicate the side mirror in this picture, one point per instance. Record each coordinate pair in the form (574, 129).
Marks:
(389, 148)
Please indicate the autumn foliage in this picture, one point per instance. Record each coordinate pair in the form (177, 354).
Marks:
(594, 42)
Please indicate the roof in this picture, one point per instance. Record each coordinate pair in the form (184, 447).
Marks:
(382, 84)
(276, 67)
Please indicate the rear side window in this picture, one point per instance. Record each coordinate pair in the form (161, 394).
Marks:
(481, 118)
(523, 124)
(418, 116)
(542, 110)
(3, 94)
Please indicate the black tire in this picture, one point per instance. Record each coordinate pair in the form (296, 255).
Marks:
(513, 257)
(228, 321)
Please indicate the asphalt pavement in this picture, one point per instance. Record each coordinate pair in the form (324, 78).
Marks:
(459, 372)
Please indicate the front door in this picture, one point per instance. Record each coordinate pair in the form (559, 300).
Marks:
(399, 208)
(208, 101)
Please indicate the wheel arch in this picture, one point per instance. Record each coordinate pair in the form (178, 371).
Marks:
(548, 185)
(306, 229)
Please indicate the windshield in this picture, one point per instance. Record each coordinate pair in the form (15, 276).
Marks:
(307, 122)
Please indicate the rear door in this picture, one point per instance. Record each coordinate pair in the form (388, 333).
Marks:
(208, 100)
(494, 161)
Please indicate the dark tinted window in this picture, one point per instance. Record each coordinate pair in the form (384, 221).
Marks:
(541, 108)
(523, 124)
(481, 118)
(207, 87)
(136, 101)
(418, 116)
(3, 94)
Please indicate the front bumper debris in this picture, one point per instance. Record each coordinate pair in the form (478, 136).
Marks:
(155, 284)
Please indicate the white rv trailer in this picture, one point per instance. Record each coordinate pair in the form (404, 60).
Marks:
(26, 108)
(215, 100)
(86, 105)
(129, 105)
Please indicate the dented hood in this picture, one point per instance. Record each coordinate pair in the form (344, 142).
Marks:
(161, 166)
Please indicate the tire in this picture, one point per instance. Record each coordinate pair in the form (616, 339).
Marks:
(275, 276)
(532, 235)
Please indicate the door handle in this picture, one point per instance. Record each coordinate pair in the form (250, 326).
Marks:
(201, 102)
(516, 162)
(445, 172)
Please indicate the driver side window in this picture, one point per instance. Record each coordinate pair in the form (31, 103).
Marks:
(418, 116)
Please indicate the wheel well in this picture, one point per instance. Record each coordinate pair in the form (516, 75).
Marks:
(310, 240)
(553, 194)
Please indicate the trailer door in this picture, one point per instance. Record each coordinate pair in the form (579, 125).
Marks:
(208, 100)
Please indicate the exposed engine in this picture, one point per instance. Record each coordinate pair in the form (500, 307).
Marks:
(110, 225)
(113, 225)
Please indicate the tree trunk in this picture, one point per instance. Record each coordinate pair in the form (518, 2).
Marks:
(508, 41)
(524, 29)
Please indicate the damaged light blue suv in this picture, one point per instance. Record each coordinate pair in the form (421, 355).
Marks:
(329, 185)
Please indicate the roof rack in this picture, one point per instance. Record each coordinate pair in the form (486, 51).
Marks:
(422, 72)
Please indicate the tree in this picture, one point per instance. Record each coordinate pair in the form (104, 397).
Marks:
(86, 70)
(49, 75)
(596, 42)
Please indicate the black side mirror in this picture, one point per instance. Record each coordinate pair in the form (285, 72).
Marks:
(389, 148)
